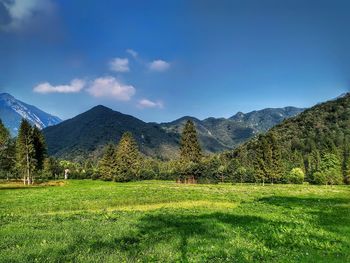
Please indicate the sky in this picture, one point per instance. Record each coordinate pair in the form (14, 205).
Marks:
(161, 60)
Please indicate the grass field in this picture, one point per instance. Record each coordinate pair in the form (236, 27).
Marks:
(94, 221)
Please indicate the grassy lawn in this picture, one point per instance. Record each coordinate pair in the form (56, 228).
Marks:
(94, 221)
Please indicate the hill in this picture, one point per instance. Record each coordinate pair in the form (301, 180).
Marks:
(88, 132)
(317, 141)
(12, 111)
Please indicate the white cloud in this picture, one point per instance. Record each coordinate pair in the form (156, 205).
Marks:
(110, 87)
(133, 53)
(119, 65)
(145, 103)
(20, 11)
(159, 65)
(75, 86)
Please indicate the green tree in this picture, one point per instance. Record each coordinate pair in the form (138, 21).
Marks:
(276, 169)
(7, 157)
(190, 149)
(4, 137)
(295, 176)
(51, 168)
(263, 160)
(107, 165)
(190, 154)
(25, 152)
(128, 159)
(329, 171)
(40, 148)
(346, 160)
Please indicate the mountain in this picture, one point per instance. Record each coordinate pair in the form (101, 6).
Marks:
(316, 140)
(217, 134)
(12, 111)
(86, 134)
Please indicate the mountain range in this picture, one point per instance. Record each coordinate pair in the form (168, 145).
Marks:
(86, 134)
(217, 134)
(12, 111)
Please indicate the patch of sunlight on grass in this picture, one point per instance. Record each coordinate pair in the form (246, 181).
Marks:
(210, 205)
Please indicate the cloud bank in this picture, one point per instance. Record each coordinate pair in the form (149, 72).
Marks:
(110, 87)
(159, 65)
(75, 86)
(132, 52)
(146, 103)
(119, 65)
(20, 12)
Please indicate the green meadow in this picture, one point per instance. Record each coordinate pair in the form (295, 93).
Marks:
(161, 221)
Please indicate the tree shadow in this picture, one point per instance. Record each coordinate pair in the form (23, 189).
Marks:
(177, 230)
(184, 232)
(332, 214)
(271, 236)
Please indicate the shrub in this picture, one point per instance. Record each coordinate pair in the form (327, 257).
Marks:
(330, 176)
(334, 176)
(319, 178)
(295, 176)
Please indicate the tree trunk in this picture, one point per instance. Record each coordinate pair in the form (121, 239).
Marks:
(28, 169)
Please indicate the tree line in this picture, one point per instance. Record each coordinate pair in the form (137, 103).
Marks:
(313, 147)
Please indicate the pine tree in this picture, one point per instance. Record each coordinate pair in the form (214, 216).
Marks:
(262, 160)
(190, 149)
(128, 159)
(51, 168)
(6, 150)
(40, 148)
(346, 160)
(4, 136)
(25, 151)
(276, 159)
(107, 164)
(190, 154)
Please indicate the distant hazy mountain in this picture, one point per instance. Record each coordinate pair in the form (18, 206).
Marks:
(217, 134)
(12, 111)
(88, 132)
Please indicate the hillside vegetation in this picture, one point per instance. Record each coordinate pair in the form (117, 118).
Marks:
(317, 141)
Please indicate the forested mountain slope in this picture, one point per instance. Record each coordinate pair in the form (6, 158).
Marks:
(317, 141)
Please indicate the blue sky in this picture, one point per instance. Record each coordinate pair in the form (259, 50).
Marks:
(160, 60)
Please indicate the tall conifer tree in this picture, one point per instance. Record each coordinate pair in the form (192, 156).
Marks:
(107, 165)
(190, 149)
(190, 154)
(6, 158)
(128, 159)
(25, 151)
(40, 148)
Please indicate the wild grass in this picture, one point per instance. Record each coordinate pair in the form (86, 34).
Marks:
(159, 221)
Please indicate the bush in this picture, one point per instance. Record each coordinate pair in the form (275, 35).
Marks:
(295, 176)
(319, 178)
(334, 177)
(330, 176)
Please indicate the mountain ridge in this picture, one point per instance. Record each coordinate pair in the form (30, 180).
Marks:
(13, 110)
(87, 133)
